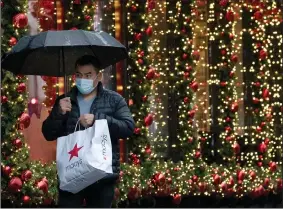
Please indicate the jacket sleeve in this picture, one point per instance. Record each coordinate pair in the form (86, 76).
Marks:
(122, 124)
(55, 124)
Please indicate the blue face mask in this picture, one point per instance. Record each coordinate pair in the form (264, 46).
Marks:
(85, 86)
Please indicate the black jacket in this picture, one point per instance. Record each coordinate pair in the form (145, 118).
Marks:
(107, 105)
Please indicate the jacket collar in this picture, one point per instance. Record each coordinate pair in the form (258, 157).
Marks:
(74, 92)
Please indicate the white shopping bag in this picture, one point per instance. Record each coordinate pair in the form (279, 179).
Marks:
(84, 157)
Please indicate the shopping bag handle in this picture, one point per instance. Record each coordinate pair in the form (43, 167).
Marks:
(78, 123)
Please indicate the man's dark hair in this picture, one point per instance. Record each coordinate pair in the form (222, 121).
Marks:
(88, 60)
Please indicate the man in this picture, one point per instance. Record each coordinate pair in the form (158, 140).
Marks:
(89, 101)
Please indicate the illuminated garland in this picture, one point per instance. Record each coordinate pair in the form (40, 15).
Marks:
(23, 182)
(157, 75)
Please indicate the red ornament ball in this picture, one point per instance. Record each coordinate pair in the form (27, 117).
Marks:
(137, 131)
(194, 86)
(185, 56)
(15, 184)
(134, 8)
(4, 99)
(241, 175)
(265, 93)
(43, 186)
(148, 31)
(234, 58)
(150, 74)
(256, 100)
(7, 170)
(21, 88)
(258, 15)
(262, 54)
(18, 143)
(177, 199)
(236, 148)
(138, 36)
(216, 179)
(252, 175)
(230, 16)
(140, 61)
(87, 17)
(234, 107)
(20, 20)
(24, 121)
(197, 154)
(272, 166)
(191, 113)
(26, 199)
(13, 41)
(196, 55)
(186, 100)
(223, 3)
(148, 120)
(26, 175)
(262, 147)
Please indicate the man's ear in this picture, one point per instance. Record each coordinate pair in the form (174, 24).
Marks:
(100, 75)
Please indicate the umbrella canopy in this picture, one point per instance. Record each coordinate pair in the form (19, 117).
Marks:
(54, 53)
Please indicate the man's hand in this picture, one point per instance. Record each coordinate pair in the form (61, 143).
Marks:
(65, 105)
(87, 120)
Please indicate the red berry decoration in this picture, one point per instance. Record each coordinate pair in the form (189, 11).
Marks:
(26, 175)
(185, 56)
(186, 100)
(15, 184)
(13, 41)
(20, 20)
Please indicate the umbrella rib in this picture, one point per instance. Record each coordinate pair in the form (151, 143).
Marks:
(90, 46)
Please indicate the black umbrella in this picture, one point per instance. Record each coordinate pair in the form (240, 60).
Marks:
(54, 53)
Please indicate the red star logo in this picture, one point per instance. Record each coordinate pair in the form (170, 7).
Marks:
(75, 151)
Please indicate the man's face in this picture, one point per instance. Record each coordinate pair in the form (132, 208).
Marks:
(88, 72)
